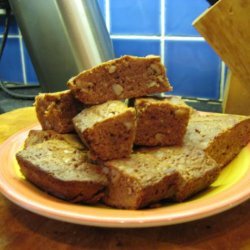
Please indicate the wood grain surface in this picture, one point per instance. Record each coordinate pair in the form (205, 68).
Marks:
(21, 229)
(237, 96)
(226, 27)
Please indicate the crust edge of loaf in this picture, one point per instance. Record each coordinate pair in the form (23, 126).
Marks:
(72, 191)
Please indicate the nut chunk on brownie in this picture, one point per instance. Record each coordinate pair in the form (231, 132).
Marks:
(121, 78)
(221, 136)
(161, 121)
(107, 129)
(61, 170)
(56, 110)
(138, 181)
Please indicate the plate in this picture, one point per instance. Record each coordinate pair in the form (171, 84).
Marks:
(230, 189)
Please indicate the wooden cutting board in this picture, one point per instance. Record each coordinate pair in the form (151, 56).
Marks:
(237, 96)
(226, 27)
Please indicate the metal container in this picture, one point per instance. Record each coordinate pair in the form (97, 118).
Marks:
(63, 37)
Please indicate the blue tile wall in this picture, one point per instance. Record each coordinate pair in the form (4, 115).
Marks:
(180, 14)
(10, 65)
(136, 47)
(141, 27)
(189, 77)
(135, 17)
(13, 29)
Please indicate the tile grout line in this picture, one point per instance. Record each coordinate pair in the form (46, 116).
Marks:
(107, 14)
(162, 22)
(222, 80)
(184, 38)
(22, 58)
(139, 37)
(169, 38)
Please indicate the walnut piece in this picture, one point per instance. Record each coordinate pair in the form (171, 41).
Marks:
(153, 84)
(155, 68)
(117, 88)
(112, 69)
(128, 125)
(85, 85)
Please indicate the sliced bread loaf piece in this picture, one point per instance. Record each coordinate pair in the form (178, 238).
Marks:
(161, 121)
(56, 110)
(221, 136)
(195, 168)
(125, 77)
(39, 136)
(152, 175)
(138, 181)
(61, 170)
(107, 129)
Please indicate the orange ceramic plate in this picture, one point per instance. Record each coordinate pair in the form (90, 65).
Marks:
(230, 189)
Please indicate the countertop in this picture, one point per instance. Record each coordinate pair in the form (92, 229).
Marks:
(8, 103)
(21, 229)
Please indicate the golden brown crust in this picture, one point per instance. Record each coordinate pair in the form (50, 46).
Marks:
(186, 189)
(62, 170)
(112, 139)
(110, 136)
(39, 136)
(160, 122)
(72, 191)
(228, 144)
(56, 110)
(121, 78)
(126, 195)
(138, 181)
(221, 136)
(196, 170)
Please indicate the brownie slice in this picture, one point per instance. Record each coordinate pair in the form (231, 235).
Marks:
(138, 181)
(62, 170)
(221, 136)
(108, 130)
(56, 110)
(161, 122)
(125, 77)
(196, 170)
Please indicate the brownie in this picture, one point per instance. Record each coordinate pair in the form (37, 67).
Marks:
(125, 77)
(108, 130)
(56, 110)
(161, 122)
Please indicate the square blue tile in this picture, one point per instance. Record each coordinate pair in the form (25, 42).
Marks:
(13, 28)
(30, 71)
(135, 17)
(136, 47)
(193, 69)
(10, 65)
(101, 4)
(180, 14)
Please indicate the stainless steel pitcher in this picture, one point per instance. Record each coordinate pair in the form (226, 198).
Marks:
(63, 37)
